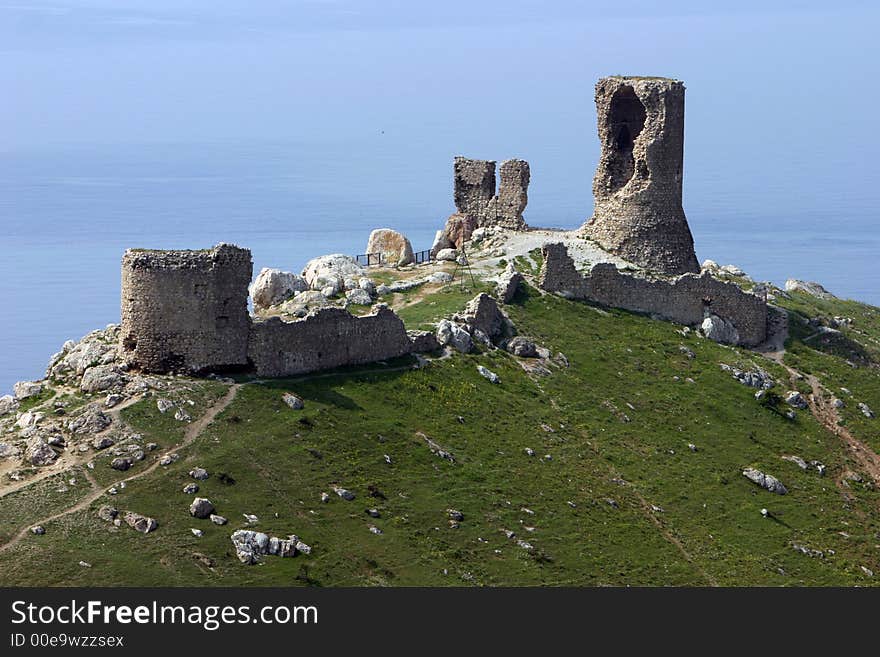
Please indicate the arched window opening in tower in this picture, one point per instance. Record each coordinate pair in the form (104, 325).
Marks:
(627, 118)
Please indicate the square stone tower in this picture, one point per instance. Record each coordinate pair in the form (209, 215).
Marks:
(185, 311)
(638, 212)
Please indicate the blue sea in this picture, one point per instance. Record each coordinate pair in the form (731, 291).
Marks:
(68, 212)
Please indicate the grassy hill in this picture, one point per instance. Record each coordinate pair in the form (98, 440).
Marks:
(635, 478)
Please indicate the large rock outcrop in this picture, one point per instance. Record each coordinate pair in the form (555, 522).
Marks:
(394, 247)
(638, 211)
(328, 273)
(273, 286)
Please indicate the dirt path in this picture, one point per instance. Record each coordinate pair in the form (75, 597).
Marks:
(192, 432)
(68, 459)
(822, 408)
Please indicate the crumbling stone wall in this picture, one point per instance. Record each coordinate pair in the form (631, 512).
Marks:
(475, 192)
(324, 339)
(185, 311)
(686, 299)
(474, 186)
(638, 211)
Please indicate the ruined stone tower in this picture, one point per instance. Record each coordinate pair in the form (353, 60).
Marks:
(475, 192)
(185, 311)
(638, 213)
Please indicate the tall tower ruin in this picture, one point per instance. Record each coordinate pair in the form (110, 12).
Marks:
(475, 192)
(638, 213)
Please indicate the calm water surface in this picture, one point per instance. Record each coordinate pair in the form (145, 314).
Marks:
(68, 214)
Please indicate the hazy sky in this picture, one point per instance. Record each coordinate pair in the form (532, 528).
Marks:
(159, 70)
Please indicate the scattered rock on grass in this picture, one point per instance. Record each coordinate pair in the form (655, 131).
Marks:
(795, 399)
(107, 513)
(766, 481)
(201, 508)
(102, 442)
(250, 545)
(293, 401)
(344, 493)
(522, 347)
(437, 449)
(140, 523)
(199, 473)
(488, 374)
(39, 452)
(122, 463)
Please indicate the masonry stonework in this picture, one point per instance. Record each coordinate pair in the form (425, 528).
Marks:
(474, 186)
(638, 211)
(324, 339)
(475, 192)
(686, 299)
(185, 310)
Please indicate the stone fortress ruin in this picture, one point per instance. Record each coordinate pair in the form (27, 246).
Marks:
(187, 310)
(475, 192)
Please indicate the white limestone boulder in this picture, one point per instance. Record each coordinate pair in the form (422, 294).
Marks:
(358, 297)
(273, 286)
(765, 481)
(446, 254)
(8, 403)
(720, 330)
(810, 287)
(441, 241)
(26, 389)
(303, 303)
(39, 453)
(331, 271)
(439, 277)
(102, 377)
(394, 247)
(450, 334)
(99, 347)
(488, 374)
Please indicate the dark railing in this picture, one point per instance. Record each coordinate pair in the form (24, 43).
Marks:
(371, 259)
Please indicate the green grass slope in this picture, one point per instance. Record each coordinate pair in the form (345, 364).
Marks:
(613, 495)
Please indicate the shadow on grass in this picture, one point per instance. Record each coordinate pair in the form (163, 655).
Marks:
(323, 386)
(833, 342)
